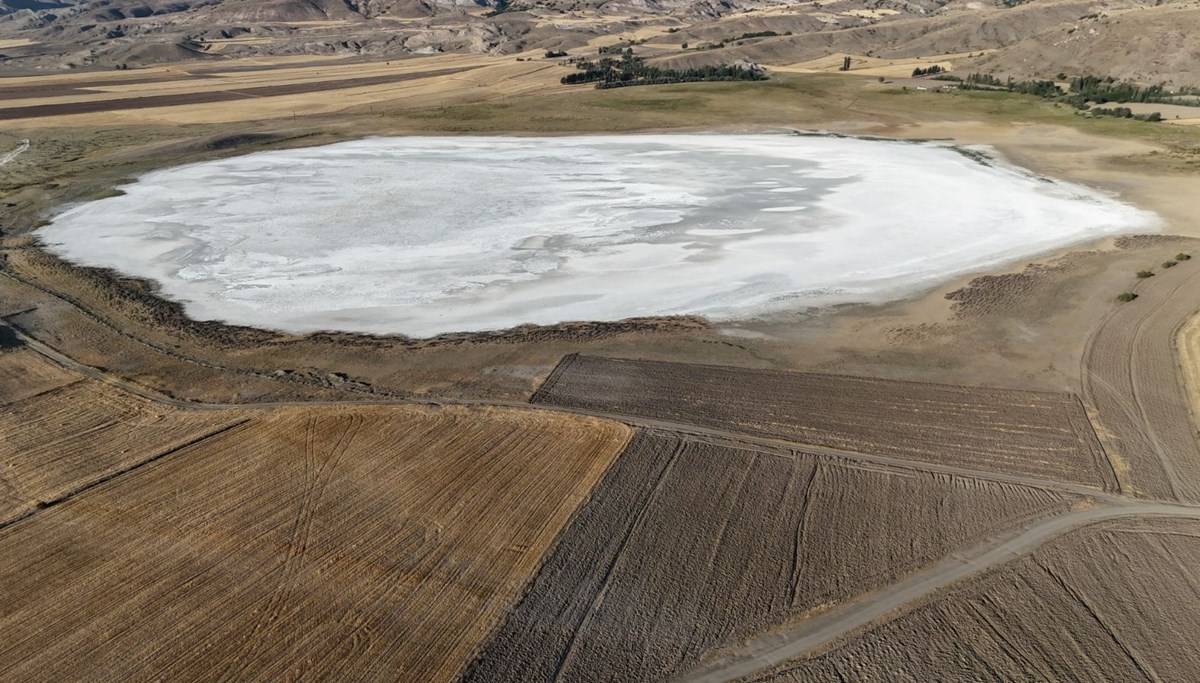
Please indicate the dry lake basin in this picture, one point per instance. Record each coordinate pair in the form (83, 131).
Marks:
(428, 235)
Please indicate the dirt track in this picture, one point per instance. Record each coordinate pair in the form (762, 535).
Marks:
(1114, 600)
(769, 651)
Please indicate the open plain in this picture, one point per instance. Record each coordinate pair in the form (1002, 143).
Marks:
(991, 476)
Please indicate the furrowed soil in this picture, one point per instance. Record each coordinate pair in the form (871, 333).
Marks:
(1114, 601)
(348, 543)
(1045, 435)
(1133, 377)
(24, 374)
(690, 545)
(54, 443)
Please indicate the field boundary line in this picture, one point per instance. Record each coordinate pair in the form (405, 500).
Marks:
(552, 379)
(792, 448)
(109, 476)
(1099, 453)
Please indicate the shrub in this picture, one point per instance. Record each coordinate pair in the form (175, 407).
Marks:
(1169, 264)
(1143, 274)
(1182, 256)
(1126, 296)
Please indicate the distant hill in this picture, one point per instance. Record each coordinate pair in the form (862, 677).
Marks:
(1143, 40)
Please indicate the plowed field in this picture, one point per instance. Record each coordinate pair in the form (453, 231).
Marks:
(317, 544)
(1131, 375)
(1037, 434)
(687, 546)
(1111, 602)
(58, 441)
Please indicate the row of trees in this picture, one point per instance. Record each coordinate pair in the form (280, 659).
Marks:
(1084, 90)
(931, 71)
(632, 70)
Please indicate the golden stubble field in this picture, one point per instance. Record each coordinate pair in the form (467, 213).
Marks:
(353, 543)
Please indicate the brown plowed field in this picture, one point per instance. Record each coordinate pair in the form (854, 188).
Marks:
(1131, 375)
(206, 96)
(688, 546)
(1111, 602)
(1036, 434)
(24, 374)
(333, 544)
(55, 442)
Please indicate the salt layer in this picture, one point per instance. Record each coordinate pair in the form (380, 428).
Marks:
(425, 235)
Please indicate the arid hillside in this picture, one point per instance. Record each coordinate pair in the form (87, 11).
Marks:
(1131, 39)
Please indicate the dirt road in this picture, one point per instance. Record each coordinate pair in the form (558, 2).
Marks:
(776, 648)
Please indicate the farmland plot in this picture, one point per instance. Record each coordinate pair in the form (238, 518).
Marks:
(1111, 602)
(1037, 434)
(687, 546)
(23, 374)
(318, 544)
(60, 440)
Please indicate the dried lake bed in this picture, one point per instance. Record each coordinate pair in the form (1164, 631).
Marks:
(426, 235)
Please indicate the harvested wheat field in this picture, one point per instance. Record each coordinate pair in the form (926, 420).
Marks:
(1035, 434)
(322, 544)
(687, 546)
(23, 373)
(1110, 602)
(58, 441)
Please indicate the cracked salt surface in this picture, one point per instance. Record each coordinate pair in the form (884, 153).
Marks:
(425, 235)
